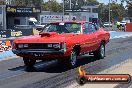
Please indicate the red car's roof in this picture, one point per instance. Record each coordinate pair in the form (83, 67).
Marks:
(77, 21)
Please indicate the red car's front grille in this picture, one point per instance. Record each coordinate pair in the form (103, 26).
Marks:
(36, 46)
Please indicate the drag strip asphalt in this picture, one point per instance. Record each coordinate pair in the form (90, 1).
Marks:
(13, 73)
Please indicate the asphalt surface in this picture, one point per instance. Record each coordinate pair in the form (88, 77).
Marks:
(13, 73)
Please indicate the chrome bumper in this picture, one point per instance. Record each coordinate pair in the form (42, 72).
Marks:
(37, 51)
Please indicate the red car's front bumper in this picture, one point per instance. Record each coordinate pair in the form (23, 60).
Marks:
(39, 53)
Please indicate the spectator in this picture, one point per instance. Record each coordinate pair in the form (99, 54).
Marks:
(118, 25)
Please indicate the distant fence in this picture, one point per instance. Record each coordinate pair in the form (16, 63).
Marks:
(15, 33)
(129, 27)
(5, 33)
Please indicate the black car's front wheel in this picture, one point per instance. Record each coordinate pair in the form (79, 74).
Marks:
(29, 62)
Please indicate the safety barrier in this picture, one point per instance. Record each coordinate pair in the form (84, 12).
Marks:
(15, 33)
(128, 27)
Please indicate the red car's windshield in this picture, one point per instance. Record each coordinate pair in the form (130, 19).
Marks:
(62, 27)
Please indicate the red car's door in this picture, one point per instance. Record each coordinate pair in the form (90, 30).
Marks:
(90, 37)
(99, 36)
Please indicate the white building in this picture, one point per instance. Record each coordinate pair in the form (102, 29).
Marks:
(8, 2)
(2, 17)
(88, 13)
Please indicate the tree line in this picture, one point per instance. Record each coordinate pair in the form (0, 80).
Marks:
(117, 11)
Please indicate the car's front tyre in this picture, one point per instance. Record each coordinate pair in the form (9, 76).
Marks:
(72, 61)
(100, 52)
(29, 62)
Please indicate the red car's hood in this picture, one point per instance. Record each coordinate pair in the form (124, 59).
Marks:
(46, 37)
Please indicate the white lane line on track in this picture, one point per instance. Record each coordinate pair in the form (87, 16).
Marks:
(122, 36)
(8, 58)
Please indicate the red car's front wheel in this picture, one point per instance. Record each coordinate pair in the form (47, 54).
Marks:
(29, 62)
(100, 52)
(72, 61)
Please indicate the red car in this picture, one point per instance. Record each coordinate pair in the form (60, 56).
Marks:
(64, 40)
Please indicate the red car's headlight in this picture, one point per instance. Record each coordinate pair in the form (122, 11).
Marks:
(54, 45)
(20, 45)
(64, 46)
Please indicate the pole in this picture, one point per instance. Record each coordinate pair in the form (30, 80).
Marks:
(70, 9)
(63, 10)
(70, 4)
(109, 14)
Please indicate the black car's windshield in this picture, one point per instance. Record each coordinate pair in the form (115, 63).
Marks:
(62, 27)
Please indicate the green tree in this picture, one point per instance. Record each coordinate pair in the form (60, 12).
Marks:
(76, 4)
(117, 12)
(27, 2)
(129, 8)
(81, 2)
(103, 12)
(91, 2)
(52, 5)
(37, 2)
(2, 2)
